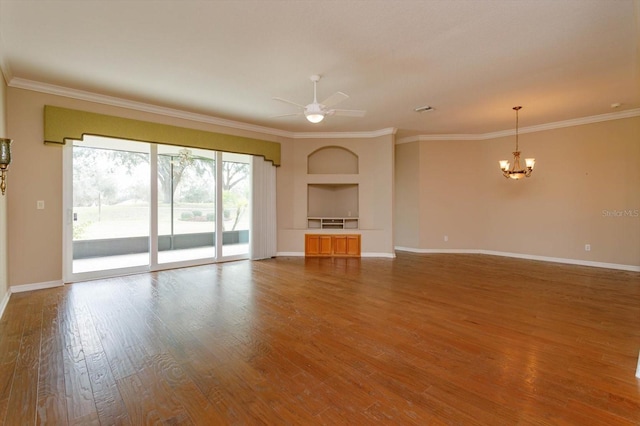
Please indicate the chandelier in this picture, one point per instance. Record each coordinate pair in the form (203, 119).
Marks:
(515, 171)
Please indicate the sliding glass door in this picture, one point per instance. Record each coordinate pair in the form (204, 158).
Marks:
(135, 207)
(110, 213)
(186, 204)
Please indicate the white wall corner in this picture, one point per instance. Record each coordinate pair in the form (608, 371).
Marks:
(35, 286)
(4, 303)
(5, 68)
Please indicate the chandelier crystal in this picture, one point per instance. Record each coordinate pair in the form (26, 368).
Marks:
(515, 170)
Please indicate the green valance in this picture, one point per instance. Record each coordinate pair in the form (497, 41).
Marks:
(61, 124)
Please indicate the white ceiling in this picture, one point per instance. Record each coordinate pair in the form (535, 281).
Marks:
(470, 60)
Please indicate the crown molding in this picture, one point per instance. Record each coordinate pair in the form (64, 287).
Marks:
(345, 135)
(444, 137)
(531, 129)
(52, 89)
(20, 83)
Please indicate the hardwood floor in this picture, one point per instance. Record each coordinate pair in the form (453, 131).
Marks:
(420, 339)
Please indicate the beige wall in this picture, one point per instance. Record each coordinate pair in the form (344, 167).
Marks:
(4, 133)
(451, 188)
(375, 180)
(407, 204)
(35, 236)
(452, 206)
(581, 171)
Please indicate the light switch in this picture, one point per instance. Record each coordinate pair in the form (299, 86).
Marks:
(40, 205)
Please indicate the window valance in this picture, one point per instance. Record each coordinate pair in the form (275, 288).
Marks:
(61, 124)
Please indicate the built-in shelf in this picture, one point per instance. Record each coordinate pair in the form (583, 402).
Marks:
(332, 200)
(332, 223)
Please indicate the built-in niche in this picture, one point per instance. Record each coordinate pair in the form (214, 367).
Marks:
(332, 160)
(332, 205)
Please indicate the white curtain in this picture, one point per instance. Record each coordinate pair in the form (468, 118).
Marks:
(263, 231)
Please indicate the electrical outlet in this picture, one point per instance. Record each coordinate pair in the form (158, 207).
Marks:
(446, 238)
(587, 247)
(40, 205)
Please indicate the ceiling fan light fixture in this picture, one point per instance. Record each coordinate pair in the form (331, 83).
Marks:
(316, 111)
(314, 117)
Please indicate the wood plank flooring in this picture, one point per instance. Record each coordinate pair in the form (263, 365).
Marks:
(416, 340)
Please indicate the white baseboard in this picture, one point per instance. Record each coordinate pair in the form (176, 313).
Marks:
(632, 268)
(301, 254)
(35, 286)
(460, 251)
(386, 255)
(579, 262)
(3, 304)
(290, 254)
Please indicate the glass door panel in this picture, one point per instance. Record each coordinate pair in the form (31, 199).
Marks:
(110, 215)
(236, 204)
(186, 204)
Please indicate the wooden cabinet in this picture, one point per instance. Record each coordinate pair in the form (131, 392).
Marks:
(343, 245)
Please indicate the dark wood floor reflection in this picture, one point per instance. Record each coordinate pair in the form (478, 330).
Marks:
(421, 339)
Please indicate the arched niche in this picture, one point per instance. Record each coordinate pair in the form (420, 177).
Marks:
(332, 160)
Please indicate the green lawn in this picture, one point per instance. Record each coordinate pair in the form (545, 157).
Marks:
(132, 220)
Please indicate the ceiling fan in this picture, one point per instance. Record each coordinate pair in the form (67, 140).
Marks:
(316, 111)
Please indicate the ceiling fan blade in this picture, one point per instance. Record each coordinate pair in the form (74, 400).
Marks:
(288, 102)
(334, 99)
(286, 115)
(347, 112)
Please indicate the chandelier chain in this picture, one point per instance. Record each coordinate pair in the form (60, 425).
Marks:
(517, 109)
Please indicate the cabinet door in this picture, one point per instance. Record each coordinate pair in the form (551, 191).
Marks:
(326, 246)
(318, 245)
(340, 245)
(353, 245)
(312, 245)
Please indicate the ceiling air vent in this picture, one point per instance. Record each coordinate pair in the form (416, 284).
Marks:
(423, 108)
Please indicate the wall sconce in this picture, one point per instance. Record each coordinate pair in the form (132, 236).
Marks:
(5, 160)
